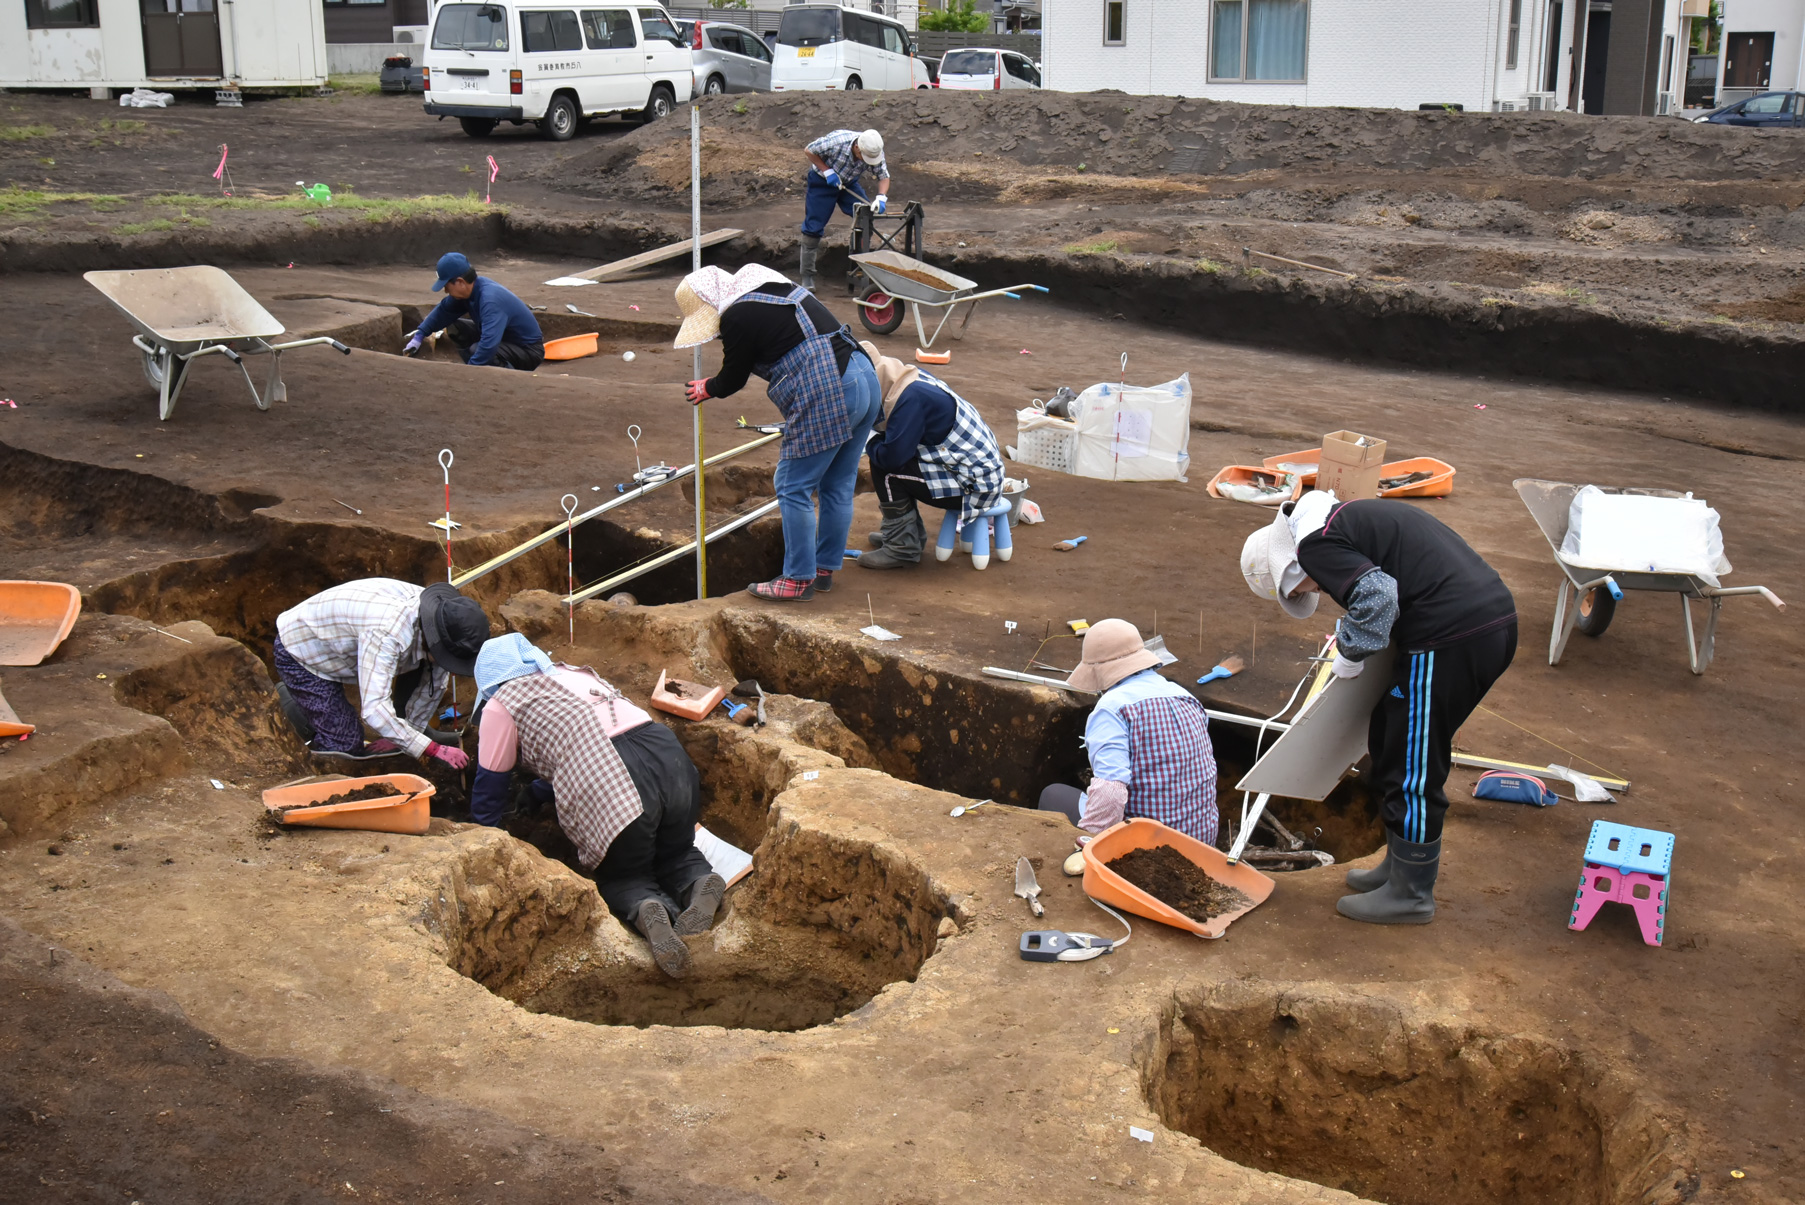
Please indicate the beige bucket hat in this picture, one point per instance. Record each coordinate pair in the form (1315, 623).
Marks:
(703, 294)
(1112, 650)
(1269, 557)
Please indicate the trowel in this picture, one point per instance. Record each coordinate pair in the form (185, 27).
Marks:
(1027, 887)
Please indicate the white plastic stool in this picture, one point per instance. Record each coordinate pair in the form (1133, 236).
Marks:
(975, 537)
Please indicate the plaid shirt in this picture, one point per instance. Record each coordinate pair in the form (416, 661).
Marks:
(1153, 735)
(967, 465)
(368, 632)
(839, 151)
(805, 386)
(562, 738)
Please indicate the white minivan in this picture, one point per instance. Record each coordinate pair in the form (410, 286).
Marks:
(518, 62)
(981, 69)
(826, 47)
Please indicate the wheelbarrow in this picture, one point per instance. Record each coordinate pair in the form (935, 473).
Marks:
(183, 314)
(1587, 597)
(897, 278)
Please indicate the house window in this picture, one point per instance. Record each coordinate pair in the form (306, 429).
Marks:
(1113, 22)
(1259, 40)
(1551, 63)
(62, 14)
(1514, 35)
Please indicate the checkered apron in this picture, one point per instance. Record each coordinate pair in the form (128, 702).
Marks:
(562, 739)
(967, 464)
(805, 385)
(1174, 766)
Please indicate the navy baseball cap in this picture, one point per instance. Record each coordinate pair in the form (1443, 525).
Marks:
(451, 266)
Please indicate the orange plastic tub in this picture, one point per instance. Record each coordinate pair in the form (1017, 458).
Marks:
(1307, 456)
(572, 347)
(1253, 474)
(1440, 485)
(407, 811)
(1102, 883)
(690, 700)
(35, 617)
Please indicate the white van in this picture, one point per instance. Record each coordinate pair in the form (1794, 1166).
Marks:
(826, 47)
(981, 69)
(518, 62)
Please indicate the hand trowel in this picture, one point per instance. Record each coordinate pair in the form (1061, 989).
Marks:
(1027, 887)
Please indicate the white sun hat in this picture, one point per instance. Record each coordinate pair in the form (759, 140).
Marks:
(703, 294)
(1269, 557)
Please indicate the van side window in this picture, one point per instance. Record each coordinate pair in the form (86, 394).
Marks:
(866, 33)
(608, 29)
(654, 24)
(726, 39)
(893, 40)
(548, 31)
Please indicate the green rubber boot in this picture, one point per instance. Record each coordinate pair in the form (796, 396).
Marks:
(1371, 880)
(1408, 894)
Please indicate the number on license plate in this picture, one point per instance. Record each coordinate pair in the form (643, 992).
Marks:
(470, 83)
(805, 52)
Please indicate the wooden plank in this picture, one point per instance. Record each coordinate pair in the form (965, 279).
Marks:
(621, 267)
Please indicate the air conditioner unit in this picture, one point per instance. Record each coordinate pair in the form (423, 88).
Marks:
(1663, 104)
(1542, 102)
(1504, 106)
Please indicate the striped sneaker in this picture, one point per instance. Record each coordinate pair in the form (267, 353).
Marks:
(782, 589)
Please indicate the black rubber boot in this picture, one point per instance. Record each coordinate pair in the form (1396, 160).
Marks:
(811, 247)
(654, 920)
(1408, 895)
(704, 901)
(1371, 880)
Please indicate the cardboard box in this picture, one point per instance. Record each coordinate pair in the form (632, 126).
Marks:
(1350, 465)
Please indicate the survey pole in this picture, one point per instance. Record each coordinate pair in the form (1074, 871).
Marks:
(695, 264)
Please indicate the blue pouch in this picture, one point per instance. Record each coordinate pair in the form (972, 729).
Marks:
(1508, 787)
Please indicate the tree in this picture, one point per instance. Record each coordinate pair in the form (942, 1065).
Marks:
(959, 16)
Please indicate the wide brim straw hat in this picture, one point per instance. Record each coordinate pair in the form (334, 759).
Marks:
(1113, 649)
(703, 294)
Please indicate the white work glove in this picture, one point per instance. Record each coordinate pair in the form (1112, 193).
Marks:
(881, 203)
(413, 343)
(832, 177)
(1343, 668)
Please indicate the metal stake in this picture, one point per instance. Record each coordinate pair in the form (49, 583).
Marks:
(445, 459)
(695, 265)
(569, 503)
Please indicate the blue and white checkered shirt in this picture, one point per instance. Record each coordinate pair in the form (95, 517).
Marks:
(966, 464)
(839, 150)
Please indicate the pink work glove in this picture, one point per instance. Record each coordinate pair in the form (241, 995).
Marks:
(457, 759)
(697, 391)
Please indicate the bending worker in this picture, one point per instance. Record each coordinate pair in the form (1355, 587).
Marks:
(932, 447)
(1404, 578)
(392, 639)
(488, 324)
(821, 381)
(627, 795)
(1148, 740)
(837, 161)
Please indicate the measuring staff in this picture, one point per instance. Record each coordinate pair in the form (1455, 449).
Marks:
(837, 162)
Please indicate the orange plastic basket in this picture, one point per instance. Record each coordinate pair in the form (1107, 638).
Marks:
(690, 708)
(1307, 456)
(573, 347)
(1438, 486)
(1102, 883)
(35, 617)
(1252, 473)
(408, 811)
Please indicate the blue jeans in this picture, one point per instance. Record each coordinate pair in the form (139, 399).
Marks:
(809, 545)
(819, 201)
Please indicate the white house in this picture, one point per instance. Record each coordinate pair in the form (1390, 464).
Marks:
(1599, 56)
(1763, 48)
(106, 44)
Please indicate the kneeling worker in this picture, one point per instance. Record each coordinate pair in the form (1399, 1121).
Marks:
(488, 324)
(836, 163)
(1148, 740)
(932, 447)
(390, 638)
(1404, 578)
(627, 794)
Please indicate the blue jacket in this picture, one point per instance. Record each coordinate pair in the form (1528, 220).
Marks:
(922, 416)
(499, 316)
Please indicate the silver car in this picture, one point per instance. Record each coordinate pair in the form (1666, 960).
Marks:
(729, 58)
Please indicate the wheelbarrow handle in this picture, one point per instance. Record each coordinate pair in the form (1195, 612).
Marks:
(340, 347)
(1610, 583)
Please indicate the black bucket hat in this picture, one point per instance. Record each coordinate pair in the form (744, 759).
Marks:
(454, 626)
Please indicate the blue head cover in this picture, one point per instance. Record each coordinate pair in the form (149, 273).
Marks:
(505, 658)
(451, 266)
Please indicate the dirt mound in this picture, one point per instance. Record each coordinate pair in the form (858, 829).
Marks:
(753, 145)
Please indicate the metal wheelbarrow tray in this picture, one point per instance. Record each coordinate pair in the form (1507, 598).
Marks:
(890, 272)
(185, 313)
(1587, 598)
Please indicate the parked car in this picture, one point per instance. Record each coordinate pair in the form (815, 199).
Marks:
(728, 58)
(933, 66)
(1701, 82)
(1769, 109)
(975, 69)
(400, 75)
(826, 47)
(556, 67)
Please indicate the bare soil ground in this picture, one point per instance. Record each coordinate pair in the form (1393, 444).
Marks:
(1492, 1056)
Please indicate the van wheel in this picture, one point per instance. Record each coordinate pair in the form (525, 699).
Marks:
(854, 84)
(715, 86)
(662, 104)
(560, 120)
(478, 127)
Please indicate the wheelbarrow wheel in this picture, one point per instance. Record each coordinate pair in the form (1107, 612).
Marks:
(153, 372)
(881, 313)
(1596, 606)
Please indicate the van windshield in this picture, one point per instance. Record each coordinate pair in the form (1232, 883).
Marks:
(808, 27)
(969, 62)
(471, 27)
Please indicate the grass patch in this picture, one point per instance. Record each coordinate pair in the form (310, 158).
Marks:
(19, 202)
(1101, 247)
(121, 127)
(1258, 272)
(150, 227)
(25, 133)
(356, 85)
(740, 108)
(371, 209)
(1210, 266)
(1564, 292)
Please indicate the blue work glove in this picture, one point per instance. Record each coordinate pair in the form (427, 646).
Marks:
(880, 203)
(413, 344)
(832, 178)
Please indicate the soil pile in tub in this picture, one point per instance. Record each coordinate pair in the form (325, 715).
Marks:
(375, 790)
(1179, 883)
